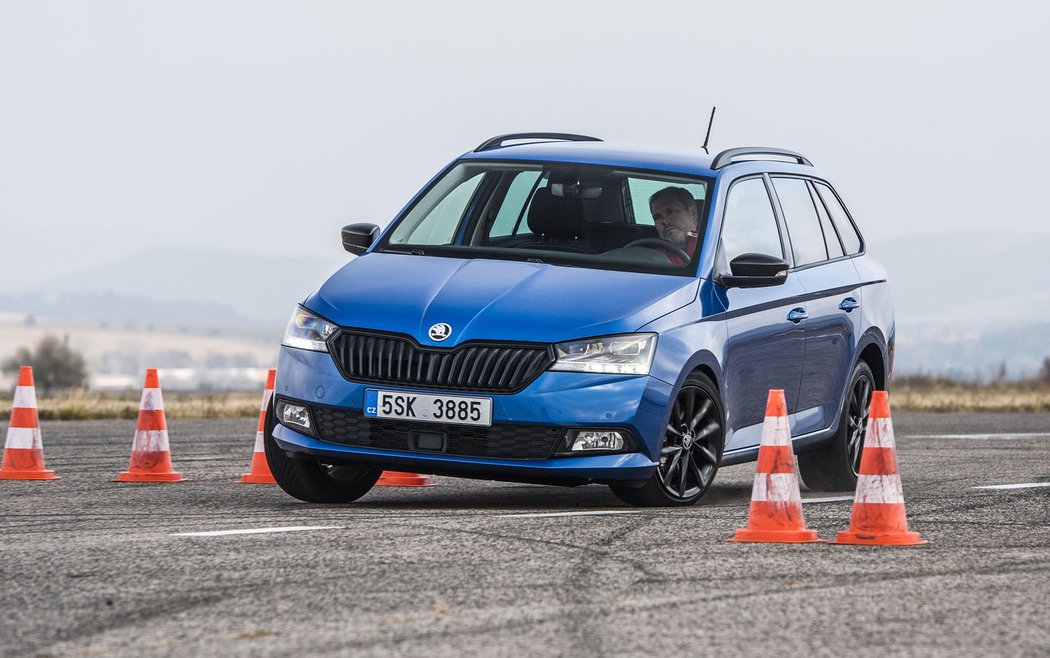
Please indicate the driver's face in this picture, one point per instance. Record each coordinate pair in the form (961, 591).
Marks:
(674, 221)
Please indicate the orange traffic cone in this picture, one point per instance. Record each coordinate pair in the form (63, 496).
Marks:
(150, 456)
(878, 507)
(399, 479)
(776, 504)
(260, 473)
(24, 451)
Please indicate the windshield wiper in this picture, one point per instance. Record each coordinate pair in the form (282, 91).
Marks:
(409, 252)
(543, 262)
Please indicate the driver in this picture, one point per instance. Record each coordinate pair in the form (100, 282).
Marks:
(677, 220)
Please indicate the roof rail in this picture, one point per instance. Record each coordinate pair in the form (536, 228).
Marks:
(726, 157)
(496, 142)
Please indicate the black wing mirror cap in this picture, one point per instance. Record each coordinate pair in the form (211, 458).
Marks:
(357, 238)
(756, 271)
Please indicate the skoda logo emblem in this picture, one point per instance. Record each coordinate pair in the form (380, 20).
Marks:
(440, 332)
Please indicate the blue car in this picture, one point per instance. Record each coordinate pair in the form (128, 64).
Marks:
(554, 309)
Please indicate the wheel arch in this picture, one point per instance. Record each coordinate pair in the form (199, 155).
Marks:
(872, 350)
(706, 363)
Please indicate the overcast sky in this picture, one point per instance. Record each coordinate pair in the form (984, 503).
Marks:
(265, 126)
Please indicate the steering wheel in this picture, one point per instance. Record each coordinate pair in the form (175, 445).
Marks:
(657, 243)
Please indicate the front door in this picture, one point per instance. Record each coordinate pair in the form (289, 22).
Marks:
(765, 333)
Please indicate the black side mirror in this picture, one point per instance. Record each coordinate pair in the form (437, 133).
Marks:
(755, 271)
(357, 238)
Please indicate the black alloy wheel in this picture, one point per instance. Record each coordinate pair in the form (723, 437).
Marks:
(857, 421)
(834, 465)
(691, 452)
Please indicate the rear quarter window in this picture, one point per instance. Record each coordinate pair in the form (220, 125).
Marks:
(847, 231)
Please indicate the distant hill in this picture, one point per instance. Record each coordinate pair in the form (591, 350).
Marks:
(109, 309)
(253, 288)
(968, 303)
(987, 279)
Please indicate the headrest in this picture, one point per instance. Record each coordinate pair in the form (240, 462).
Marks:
(554, 216)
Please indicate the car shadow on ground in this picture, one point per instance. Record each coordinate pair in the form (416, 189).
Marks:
(453, 495)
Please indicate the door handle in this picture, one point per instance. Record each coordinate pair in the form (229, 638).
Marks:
(849, 304)
(798, 315)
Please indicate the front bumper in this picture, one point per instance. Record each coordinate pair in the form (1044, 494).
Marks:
(554, 399)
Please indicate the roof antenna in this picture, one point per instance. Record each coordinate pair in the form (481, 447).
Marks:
(710, 122)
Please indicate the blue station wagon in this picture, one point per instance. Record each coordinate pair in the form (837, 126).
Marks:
(554, 309)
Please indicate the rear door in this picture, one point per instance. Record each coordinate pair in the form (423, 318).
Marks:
(764, 348)
(833, 296)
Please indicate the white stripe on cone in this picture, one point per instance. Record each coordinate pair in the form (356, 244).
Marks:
(267, 394)
(775, 431)
(879, 489)
(24, 438)
(152, 400)
(880, 434)
(775, 488)
(25, 398)
(150, 441)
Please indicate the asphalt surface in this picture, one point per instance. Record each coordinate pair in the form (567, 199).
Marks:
(88, 566)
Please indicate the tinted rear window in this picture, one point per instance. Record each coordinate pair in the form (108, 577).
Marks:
(807, 238)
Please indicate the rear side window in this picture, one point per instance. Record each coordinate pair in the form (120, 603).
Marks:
(847, 231)
(750, 226)
(803, 225)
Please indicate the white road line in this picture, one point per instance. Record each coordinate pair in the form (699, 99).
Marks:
(550, 514)
(255, 531)
(833, 499)
(999, 436)
(1022, 485)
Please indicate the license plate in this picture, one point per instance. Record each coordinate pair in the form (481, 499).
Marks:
(428, 408)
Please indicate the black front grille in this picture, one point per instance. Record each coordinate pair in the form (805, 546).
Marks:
(350, 427)
(398, 360)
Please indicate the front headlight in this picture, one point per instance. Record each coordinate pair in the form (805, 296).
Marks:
(307, 331)
(628, 354)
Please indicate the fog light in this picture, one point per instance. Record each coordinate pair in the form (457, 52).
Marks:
(584, 440)
(295, 415)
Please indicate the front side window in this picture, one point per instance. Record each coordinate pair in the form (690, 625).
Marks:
(750, 225)
(559, 213)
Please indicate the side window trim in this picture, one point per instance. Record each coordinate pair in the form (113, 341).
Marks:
(475, 208)
(785, 233)
(528, 202)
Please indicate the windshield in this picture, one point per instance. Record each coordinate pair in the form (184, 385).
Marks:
(561, 213)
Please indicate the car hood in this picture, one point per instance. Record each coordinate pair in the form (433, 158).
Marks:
(493, 299)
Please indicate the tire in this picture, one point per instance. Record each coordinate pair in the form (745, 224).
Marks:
(317, 480)
(834, 465)
(691, 450)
